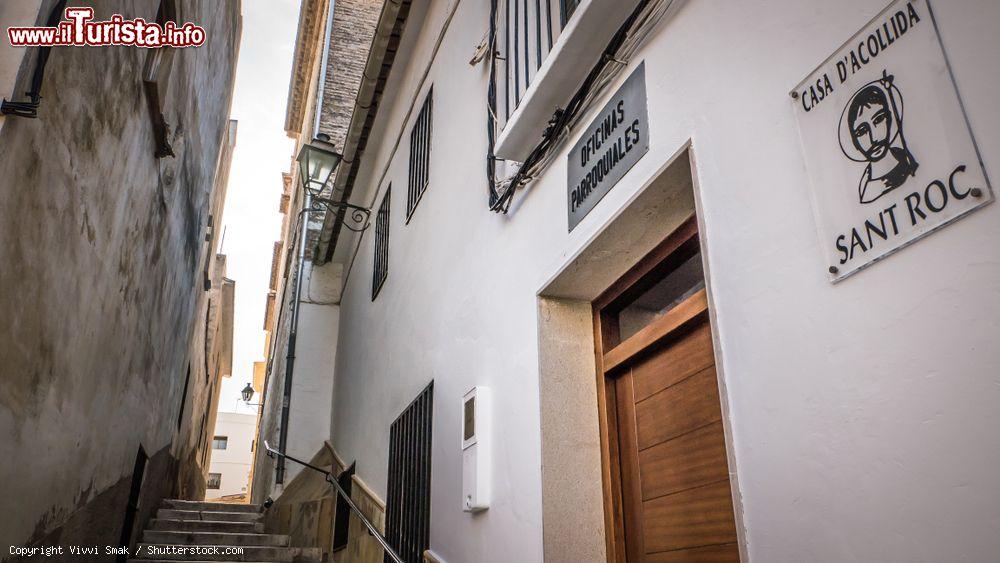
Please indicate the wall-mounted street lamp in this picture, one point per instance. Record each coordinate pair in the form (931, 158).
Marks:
(317, 162)
(247, 393)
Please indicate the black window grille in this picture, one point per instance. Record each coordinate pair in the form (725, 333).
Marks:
(420, 155)
(214, 480)
(527, 29)
(408, 503)
(567, 8)
(381, 261)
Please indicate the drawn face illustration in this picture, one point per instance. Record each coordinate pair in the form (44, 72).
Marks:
(871, 131)
(870, 121)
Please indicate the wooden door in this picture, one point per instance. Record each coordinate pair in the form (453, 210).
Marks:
(664, 420)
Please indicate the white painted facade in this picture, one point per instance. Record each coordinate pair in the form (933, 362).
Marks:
(233, 462)
(316, 353)
(859, 416)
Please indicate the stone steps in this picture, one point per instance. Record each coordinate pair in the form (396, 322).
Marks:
(211, 515)
(171, 525)
(213, 538)
(147, 551)
(198, 505)
(192, 530)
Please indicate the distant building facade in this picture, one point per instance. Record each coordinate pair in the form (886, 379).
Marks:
(233, 444)
(114, 299)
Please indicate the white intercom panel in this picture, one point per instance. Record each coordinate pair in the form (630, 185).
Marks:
(476, 449)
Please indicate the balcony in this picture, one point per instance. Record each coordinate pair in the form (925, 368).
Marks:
(546, 48)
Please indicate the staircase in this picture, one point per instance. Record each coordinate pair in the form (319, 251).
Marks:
(182, 525)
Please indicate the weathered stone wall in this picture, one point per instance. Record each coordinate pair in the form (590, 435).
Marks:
(102, 249)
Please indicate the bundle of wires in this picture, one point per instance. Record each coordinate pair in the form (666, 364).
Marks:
(615, 57)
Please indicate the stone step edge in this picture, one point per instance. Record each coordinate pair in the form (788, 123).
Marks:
(210, 506)
(211, 533)
(171, 525)
(242, 547)
(243, 522)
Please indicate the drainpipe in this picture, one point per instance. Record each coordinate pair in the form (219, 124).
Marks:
(286, 398)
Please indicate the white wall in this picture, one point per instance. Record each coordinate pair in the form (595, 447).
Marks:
(315, 355)
(234, 461)
(862, 414)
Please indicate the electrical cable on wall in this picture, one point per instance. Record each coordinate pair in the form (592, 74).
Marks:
(613, 60)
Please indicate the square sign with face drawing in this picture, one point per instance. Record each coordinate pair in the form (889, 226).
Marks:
(887, 144)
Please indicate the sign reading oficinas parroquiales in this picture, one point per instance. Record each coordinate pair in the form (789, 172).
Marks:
(887, 144)
(608, 147)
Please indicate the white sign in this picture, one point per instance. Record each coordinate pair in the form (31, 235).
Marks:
(887, 144)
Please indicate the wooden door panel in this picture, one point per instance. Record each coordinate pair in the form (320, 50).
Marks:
(729, 553)
(666, 367)
(690, 460)
(692, 518)
(628, 451)
(667, 491)
(678, 409)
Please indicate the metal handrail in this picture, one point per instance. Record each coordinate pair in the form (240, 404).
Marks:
(271, 452)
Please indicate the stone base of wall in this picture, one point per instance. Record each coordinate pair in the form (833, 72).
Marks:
(306, 511)
(361, 546)
(99, 521)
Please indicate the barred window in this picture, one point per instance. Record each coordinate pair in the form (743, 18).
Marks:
(381, 259)
(528, 30)
(408, 503)
(567, 7)
(214, 481)
(420, 155)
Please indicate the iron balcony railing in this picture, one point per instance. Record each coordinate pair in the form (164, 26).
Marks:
(390, 552)
(528, 29)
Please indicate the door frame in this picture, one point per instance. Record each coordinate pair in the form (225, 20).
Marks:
(610, 356)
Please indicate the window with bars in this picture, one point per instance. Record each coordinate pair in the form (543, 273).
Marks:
(381, 259)
(420, 155)
(214, 481)
(220, 442)
(528, 29)
(408, 503)
(567, 7)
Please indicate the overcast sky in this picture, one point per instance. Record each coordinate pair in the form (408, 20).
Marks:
(263, 152)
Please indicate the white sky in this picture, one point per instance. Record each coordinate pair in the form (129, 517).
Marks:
(263, 152)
